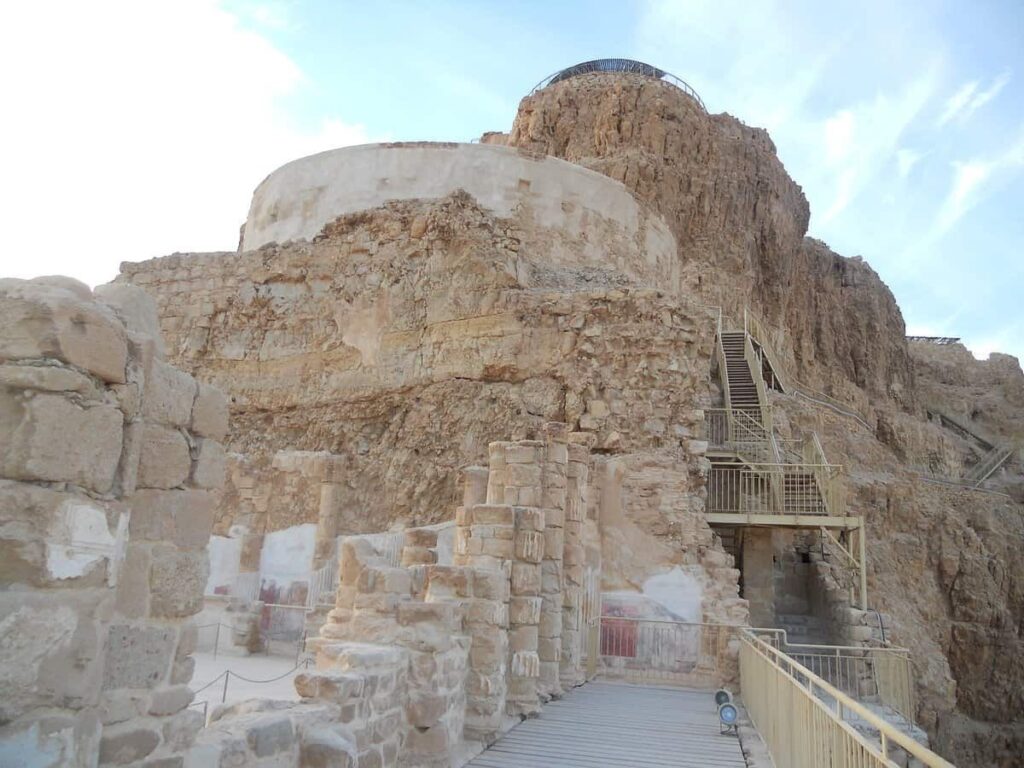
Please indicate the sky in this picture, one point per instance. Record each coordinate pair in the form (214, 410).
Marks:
(135, 129)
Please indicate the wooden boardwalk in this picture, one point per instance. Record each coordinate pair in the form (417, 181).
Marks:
(601, 725)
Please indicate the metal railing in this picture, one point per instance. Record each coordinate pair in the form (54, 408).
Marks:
(754, 363)
(802, 717)
(658, 651)
(776, 489)
(989, 463)
(322, 585)
(738, 431)
(880, 674)
(246, 587)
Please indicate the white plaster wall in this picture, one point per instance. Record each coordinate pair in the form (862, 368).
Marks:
(298, 199)
(225, 553)
(287, 555)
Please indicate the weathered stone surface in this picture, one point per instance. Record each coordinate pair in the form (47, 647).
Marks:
(48, 437)
(45, 321)
(135, 308)
(47, 377)
(168, 396)
(208, 466)
(181, 516)
(164, 459)
(176, 582)
(137, 656)
(210, 413)
(122, 745)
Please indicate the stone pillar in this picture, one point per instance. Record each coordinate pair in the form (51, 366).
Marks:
(487, 547)
(759, 575)
(327, 525)
(574, 567)
(554, 491)
(525, 612)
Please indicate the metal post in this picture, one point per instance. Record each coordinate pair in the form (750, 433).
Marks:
(863, 565)
(224, 694)
(216, 639)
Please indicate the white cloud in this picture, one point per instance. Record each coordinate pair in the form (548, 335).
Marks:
(906, 159)
(968, 99)
(140, 129)
(969, 179)
(839, 135)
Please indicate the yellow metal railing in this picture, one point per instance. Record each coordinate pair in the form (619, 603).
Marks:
(770, 343)
(826, 475)
(738, 431)
(802, 717)
(647, 650)
(776, 489)
(754, 363)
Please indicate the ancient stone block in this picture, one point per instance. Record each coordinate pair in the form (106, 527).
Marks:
(127, 743)
(168, 396)
(182, 517)
(47, 437)
(135, 308)
(164, 459)
(208, 466)
(133, 583)
(526, 579)
(529, 519)
(270, 734)
(137, 656)
(167, 701)
(47, 376)
(49, 322)
(210, 413)
(524, 610)
(177, 580)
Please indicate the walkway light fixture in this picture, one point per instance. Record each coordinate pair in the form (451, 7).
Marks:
(728, 714)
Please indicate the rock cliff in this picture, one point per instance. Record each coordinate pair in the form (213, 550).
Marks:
(739, 219)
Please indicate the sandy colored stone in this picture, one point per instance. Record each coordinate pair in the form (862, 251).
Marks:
(46, 321)
(164, 460)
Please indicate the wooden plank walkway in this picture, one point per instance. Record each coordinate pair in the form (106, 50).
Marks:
(600, 725)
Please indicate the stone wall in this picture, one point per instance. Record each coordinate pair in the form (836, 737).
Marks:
(426, 328)
(422, 664)
(108, 461)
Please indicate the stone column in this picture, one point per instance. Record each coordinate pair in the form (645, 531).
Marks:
(553, 501)
(519, 473)
(327, 525)
(574, 569)
(488, 555)
(759, 575)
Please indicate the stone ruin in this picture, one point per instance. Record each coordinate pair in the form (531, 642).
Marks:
(109, 465)
(398, 316)
(108, 459)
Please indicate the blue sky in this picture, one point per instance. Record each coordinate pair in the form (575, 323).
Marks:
(144, 126)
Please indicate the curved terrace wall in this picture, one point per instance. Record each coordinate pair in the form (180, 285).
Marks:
(577, 216)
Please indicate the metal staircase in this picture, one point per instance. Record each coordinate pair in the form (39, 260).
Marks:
(756, 478)
(989, 463)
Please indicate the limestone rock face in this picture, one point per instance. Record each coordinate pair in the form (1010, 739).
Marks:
(738, 218)
(403, 340)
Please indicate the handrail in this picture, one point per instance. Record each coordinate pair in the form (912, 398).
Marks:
(992, 460)
(723, 371)
(755, 373)
(754, 326)
(802, 744)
